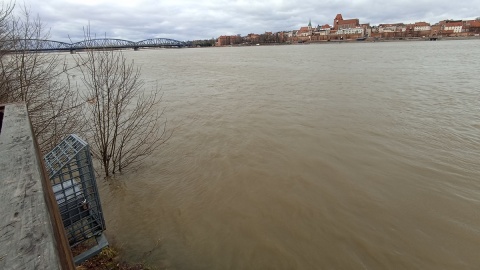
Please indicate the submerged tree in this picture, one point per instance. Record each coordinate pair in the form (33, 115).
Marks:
(36, 78)
(125, 121)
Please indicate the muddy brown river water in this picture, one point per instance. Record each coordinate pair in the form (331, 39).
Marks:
(335, 156)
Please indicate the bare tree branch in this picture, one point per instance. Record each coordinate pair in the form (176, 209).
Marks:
(125, 121)
(38, 79)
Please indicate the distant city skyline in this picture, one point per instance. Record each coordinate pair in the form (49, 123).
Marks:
(193, 19)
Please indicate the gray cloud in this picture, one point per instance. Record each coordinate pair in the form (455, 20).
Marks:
(196, 19)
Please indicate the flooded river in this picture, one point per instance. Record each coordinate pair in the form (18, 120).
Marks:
(335, 156)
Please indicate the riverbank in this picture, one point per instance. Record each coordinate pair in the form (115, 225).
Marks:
(107, 259)
(367, 40)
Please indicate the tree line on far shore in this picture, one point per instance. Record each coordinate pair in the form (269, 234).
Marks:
(121, 120)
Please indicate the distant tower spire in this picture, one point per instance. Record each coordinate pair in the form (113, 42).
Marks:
(310, 23)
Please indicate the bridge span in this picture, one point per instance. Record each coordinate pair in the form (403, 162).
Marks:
(95, 44)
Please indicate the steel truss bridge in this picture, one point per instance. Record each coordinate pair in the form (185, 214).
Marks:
(94, 44)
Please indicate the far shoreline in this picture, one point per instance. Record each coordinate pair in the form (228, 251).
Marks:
(368, 40)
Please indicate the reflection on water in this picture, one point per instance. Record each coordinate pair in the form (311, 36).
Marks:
(339, 156)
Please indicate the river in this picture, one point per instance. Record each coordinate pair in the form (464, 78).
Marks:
(333, 156)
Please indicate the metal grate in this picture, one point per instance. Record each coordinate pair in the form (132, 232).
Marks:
(72, 177)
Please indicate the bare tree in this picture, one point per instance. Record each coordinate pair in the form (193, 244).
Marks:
(125, 121)
(36, 78)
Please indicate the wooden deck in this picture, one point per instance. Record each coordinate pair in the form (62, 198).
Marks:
(31, 231)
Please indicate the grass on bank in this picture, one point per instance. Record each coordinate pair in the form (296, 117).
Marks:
(107, 259)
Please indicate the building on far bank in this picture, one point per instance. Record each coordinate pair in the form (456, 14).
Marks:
(422, 29)
(347, 29)
(323, 30)
(454, 26)
(436, 30)
(305, 31)
(391, 28)
(228, 40)
(252, 38)
(222, 41)
(472, 26)
(351, 31)
(421, 26)
(340, 23)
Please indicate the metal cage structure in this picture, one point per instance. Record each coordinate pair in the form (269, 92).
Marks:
(71, 174)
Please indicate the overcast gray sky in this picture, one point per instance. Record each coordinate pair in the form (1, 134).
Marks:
(200, 19)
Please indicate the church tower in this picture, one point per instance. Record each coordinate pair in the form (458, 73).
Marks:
(310, 25)
(337, 19)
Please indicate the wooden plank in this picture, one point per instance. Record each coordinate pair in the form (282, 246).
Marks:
(30, 237)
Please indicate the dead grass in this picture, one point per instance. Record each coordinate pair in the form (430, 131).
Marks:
(108, 259)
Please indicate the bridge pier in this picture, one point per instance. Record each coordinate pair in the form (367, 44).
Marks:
(136, 48)
(72, 51)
